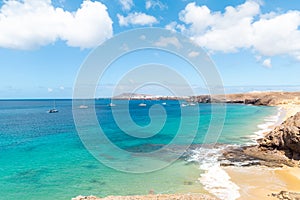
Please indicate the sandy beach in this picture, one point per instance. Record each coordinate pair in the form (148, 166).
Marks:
(259, 182)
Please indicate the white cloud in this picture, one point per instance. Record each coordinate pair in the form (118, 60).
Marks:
(155, 4)
(61, 87)
(174, 26)
(267, 63)
(242, 27)
(226, 31)
(171, 26)
(126, 4)
(29, 24)
(193, 54)
(143, 37)
(278, 34)
(136, 18)
(166, 41)
(50, 90)
(258, 58)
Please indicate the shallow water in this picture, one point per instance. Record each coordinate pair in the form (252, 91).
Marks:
(42, 156)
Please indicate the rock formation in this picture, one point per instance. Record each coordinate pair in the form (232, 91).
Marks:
(285, 195)
(285, 137)
(253, 98)
(279, 147)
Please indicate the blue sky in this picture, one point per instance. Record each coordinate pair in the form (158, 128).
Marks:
(255, 45)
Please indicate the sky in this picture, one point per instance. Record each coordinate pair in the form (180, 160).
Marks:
(254, 44)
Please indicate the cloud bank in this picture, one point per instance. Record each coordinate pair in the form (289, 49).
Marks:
(242, 27)
(30, 24)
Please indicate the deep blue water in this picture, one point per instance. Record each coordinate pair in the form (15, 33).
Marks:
(42, 156)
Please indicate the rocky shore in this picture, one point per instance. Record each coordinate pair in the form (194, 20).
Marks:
(253, 98)
(276, 158)
(279, 147)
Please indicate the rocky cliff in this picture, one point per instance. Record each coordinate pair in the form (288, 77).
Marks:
(285, 137)
(279, 147)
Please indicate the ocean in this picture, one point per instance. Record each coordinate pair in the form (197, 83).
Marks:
(43, 157)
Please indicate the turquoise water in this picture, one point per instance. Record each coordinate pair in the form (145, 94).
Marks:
(42, 156)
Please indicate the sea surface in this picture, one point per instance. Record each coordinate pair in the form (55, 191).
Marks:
(43, 157)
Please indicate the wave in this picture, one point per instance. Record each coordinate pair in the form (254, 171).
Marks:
(267, 126)
(214, 179)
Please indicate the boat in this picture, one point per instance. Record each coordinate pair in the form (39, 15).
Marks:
(53, 110)
(143, 103)
(192, 104)
(83, 106)
(164, 103)
(111, 105)
(183, 105)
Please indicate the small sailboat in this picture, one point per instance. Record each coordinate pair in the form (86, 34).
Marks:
(53, 110)
(164, 103)
(183, 105)
(111, 105)
(143, 103)
(83, 106)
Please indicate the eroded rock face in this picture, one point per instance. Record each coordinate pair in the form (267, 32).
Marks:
(279, 147)
(285, 137)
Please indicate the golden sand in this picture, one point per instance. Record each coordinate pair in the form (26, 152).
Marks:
(290, 109)
(259, 182)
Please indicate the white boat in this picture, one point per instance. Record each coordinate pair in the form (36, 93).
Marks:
(183, 105)
(111, 105)
(53, 110)
(192, 104)
(164, 103)
(143, 103)
(83, 106)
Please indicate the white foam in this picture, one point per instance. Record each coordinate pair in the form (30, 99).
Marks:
(215, 180)
(269, 122)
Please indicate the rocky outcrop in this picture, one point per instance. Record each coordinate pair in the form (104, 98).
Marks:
(253, 98)
(285, 137)
(279, 147)
(285, 195)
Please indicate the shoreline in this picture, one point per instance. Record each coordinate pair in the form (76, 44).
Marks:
(271, 180)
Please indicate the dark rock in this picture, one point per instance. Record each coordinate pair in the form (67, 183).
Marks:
(251, 101)
(285, 195)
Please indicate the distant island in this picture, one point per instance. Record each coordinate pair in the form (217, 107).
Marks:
(136, 96)
(253, 98)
